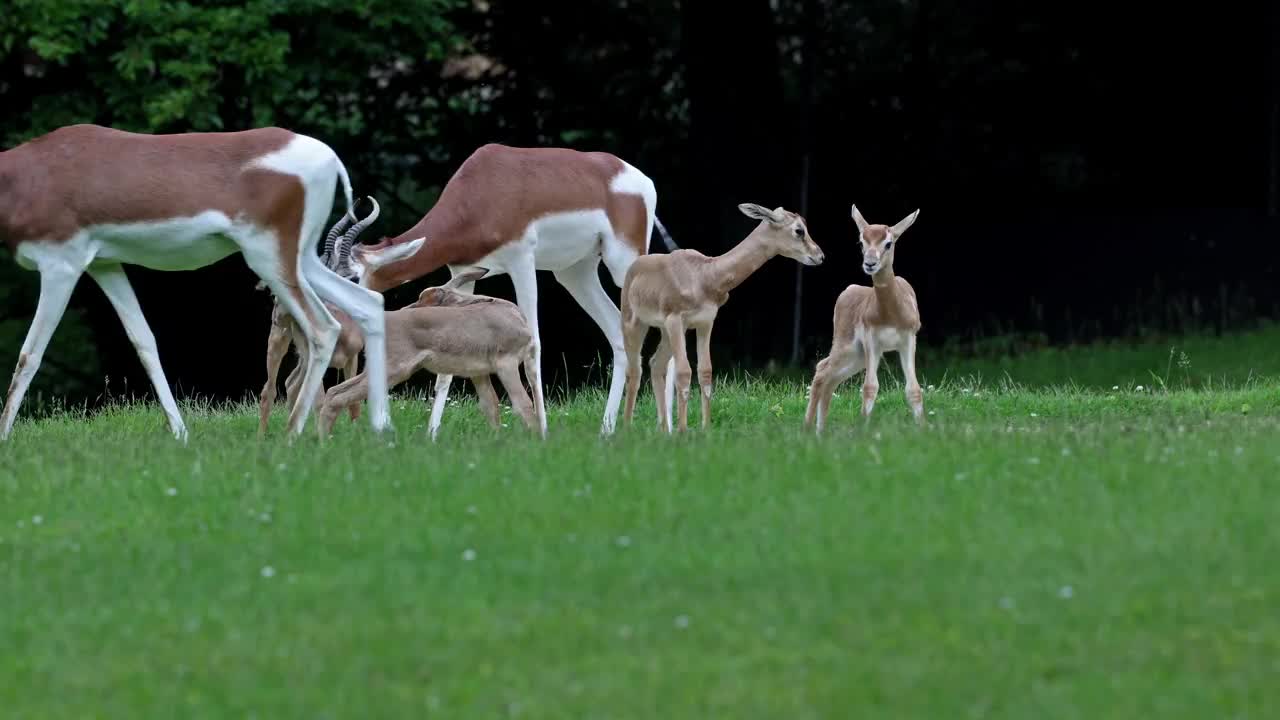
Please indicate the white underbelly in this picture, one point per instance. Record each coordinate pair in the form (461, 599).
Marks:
(554, 242)
(180, 244)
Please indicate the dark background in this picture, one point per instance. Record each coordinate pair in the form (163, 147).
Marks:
(1083, 169)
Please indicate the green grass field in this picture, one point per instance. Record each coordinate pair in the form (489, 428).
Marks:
(1056, 543)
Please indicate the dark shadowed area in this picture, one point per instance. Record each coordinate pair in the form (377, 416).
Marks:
(1081, 172)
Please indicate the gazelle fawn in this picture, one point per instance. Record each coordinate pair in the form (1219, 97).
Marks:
(456, 333)
(868, 322)
(684, 290)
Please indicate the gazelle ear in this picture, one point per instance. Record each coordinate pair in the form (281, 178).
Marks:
(904, 223)
(758, 212)
(858, 219)
(472, 276)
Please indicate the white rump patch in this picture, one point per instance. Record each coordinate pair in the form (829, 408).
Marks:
(630, 181)
(303, 156)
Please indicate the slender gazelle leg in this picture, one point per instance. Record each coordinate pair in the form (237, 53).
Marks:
(582, 280)
(871, 383)
(57, 280)
(684, 374)
(488, 400)
(509, 376)
(437, 404)
(277, 347)
(633, 333)
(915, 396)
(443, 382)
(660, 377)
(115, 285)
(843, 363)
(352, 369)
(524, 278)
(704, 372)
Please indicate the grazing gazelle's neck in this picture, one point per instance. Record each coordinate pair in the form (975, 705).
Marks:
(729, 270)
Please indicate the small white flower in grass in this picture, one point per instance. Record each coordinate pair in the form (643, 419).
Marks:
(1115, 387)
(265, 517)
(471, 509)
(171, 491)
(624, 541)
(682, 621)
(1139, 388)
(1066, 592)
(1007, 603)
(37, 519)
(282, 466)
(931, 412)
(268, 571)
(1239, 451)
(1066, 452)
(471, 466)
(930, 388)
(1036, 415)
(468, 554)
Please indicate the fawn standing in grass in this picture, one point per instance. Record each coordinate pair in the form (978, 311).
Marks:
(868, 322)
(685, 289)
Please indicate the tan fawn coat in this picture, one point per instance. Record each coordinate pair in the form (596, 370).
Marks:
(868, 322)
(685, 290)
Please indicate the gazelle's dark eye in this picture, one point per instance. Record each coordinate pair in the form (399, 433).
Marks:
(888, 244)
(799, 232)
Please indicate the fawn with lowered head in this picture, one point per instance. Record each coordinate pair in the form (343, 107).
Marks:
(868, 322)
(684, 290)
(448, 332)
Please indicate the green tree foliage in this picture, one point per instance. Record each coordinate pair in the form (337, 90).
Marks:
(364, 75)
(158, 66)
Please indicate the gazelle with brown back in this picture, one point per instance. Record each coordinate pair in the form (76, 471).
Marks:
(515, 211)
(685, 290)
(86, 198)
(458, 333)
(285, 332)
(868, 322)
